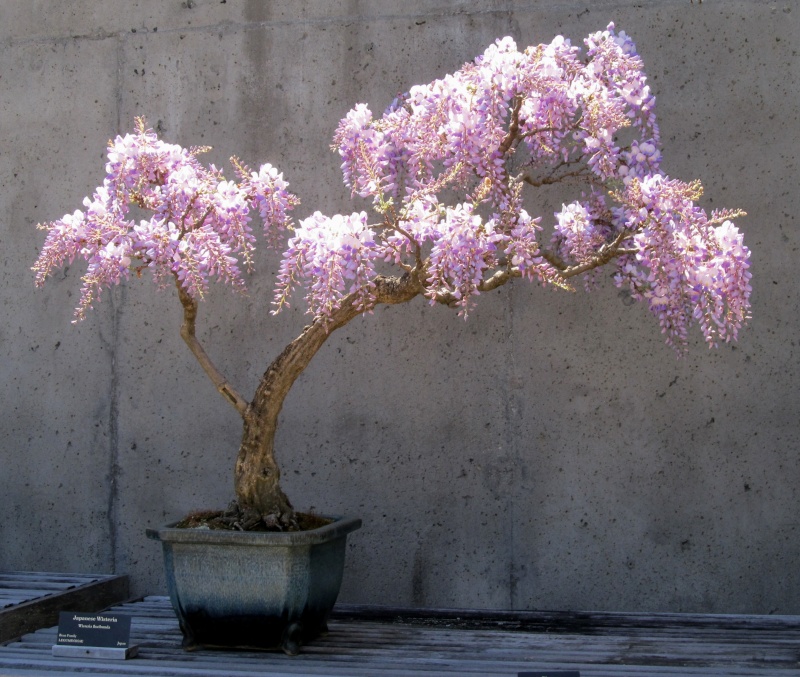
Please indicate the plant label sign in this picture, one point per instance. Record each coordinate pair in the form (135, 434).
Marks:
(94, 635)
(550, 673)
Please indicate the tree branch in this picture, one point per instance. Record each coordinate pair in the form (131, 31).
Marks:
(188, 335)
(605, 254)
(513, 127)
(393, 224)
(552, 179)
(497, 279)
(284, 370)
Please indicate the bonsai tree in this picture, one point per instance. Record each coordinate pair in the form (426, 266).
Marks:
(446, 171)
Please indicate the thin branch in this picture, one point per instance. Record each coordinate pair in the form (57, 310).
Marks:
(553, 259)
(549, 180)
(393, 225)
(605, 254)
(188, 335)
(539, 130)
(513, 127)
(497, 279)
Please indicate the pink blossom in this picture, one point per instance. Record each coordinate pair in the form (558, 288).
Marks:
(446, 167)
(199, 228)
(331, 257)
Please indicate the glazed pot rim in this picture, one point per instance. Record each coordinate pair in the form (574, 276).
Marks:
(341, 526)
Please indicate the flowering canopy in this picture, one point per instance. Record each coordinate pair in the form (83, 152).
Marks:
(444, 167)
(198, 227)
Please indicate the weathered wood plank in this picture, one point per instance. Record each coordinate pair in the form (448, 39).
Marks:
(45, 577)
(407, 668)
(561, 620)
(36, 598)
(361, 644)
(19, 586)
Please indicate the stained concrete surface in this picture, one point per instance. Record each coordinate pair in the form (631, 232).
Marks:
(549, 453)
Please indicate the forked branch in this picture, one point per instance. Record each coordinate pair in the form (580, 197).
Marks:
(188, 335)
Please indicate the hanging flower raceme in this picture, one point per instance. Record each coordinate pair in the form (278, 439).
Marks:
(549, 105)
(579, 232)
(269, 192)
(366, 155)
(331, 257)
(641, 160)
(687, 266)
(445, 167)
(464, 249)
(524, 252)
(199, 224)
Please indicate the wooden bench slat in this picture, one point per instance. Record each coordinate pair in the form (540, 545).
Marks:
(27, 608)
(362, 643)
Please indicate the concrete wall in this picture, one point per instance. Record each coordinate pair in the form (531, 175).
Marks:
(548, 453)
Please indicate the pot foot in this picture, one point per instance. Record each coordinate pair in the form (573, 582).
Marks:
(188, 644)
(292, 639)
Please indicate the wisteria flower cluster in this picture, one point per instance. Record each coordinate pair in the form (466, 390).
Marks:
(686, 265)
(323, 255)
(446, 168)
(548, 114)
(198, 226)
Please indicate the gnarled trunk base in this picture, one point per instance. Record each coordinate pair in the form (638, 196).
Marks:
(259, 496)
(257, 476)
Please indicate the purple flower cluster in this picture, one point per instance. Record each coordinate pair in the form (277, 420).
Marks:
(198, 226)
(446, 167)
(464, 249)
(578, 230)
(525, 255)
(331, 257)
(613, 92)
(446, 163)
(686, 266)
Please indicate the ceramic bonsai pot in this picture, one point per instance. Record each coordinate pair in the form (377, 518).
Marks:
(253, 590)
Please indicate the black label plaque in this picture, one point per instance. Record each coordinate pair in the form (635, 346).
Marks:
(550, 673)
(93, 630)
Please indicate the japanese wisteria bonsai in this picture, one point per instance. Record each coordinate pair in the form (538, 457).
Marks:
(446, 169)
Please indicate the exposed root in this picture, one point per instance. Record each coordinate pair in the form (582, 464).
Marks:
(233, 518)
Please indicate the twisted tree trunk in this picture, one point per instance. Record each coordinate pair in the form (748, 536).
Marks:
(257, 476)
